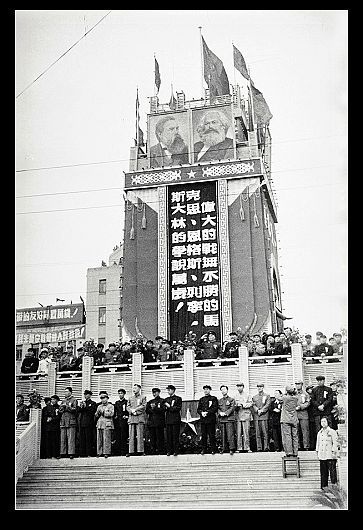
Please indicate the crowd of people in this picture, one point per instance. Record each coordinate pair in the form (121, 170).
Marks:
(207, 347)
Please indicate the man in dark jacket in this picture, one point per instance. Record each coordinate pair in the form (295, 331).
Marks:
(207, 409)
(321, 402)
(51, 417)
(173, 405)
(231, 349)
(214, 144)
(120, 422)
(155, 411)
(274, 420)
(227, 419)
(208, 348)
(22, 410)
(87, 427)
(30, 363)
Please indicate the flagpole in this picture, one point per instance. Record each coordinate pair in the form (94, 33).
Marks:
(201, 59)
(137, 119)
(251, 95)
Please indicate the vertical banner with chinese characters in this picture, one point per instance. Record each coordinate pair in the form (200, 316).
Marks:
(194, 303)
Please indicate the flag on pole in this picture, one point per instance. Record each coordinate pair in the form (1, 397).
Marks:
(157, 75)
(172, 102)
(260, 107)
(214, 73)
(239, 62)
(139, 134)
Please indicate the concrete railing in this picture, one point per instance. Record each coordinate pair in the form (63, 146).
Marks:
(28, 444)
(188, 375)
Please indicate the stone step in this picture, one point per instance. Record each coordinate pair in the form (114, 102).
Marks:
(177, 505)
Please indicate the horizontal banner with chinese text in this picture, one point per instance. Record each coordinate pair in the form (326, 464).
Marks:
(50, 315)
(51, 336)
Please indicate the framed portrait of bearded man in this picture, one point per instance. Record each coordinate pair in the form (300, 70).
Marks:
(168, 139)
(213, 134)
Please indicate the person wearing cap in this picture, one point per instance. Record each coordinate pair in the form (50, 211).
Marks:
(321, 402)
(121, 423)
(68, 409)
(260, 410)
(243, 418)
(51, 418)
(155, 411)
(44, 362)
(30, 363)
(303, 404)
(87, 430)
(327, 452)
(323, 349)
(208, 348)
(136, 405)
(227, 420)
(289, 422)
(207, 409)
(22, 410)
(173, 405)
(230, 350)
(77, 363)
(67, 360)
(104, 416)
(312, 435)
(334, 405)
(338, 343)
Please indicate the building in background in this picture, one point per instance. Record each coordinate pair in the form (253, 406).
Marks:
(200, 250)
(104, 299)
(52, 325)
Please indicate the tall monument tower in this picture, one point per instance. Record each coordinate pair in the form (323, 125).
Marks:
(200, 250)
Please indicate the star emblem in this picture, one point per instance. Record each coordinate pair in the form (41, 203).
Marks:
(188, 420)
(191, 174)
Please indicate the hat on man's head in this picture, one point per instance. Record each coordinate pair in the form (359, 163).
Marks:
(44, 349)
(260, 384)
(31, 349)
(289, 388)
(80, 348)
(155, 390)
(87, 392)
(207, 386)
(103, 394)
(333, 383)
(320, 377)
(112, 344)
(240, 384)
(55, 397)
(299, 381)
(170, 387)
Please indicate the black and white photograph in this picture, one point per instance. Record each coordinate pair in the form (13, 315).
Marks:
(181, 260)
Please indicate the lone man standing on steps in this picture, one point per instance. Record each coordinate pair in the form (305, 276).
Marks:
(207, 408)
(104, 414)
(289, 421)
(136, 406)
(68, 409)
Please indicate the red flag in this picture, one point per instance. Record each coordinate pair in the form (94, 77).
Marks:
(157, 75)
(214, 73)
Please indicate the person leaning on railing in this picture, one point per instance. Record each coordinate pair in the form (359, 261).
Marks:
(22, 410)
(30, 363)
(282, 347)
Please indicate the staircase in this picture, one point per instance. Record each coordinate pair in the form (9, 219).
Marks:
(244, 481)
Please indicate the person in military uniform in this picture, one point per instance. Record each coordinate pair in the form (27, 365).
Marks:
(104, 414)
(260, 408)
(155, 411)
(120, 421)
(207, 409)
(87, 429)
(30, 363)
(22, 410)
(303, 415)
(231, 349)
(321, 402)
(243, 418)
(227, 420)
(136, 408)
(289, 421)
(68, 409)
(173, 405)
(208, 348)
(51, 427)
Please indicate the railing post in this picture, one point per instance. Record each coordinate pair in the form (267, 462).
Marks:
(87, 363)
(297, 362)
(189, 374)
(52, 376)
(345, 358)
(243, 372)
(36, 416)
(136, 368)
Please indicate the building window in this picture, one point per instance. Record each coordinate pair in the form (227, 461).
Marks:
(102, 315)
(19, 353)
(102, 286)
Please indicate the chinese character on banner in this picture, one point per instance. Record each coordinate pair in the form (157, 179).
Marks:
(42, 338)
(193, 259)
(31, 337)
(53, 314)
(60, 313)
(33, 315)
(26, 316)
(67, 312)
(71, 334)
(20, 338)
(19, 316)
(40, 315)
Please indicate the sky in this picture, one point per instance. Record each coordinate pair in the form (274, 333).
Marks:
(80, 114)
